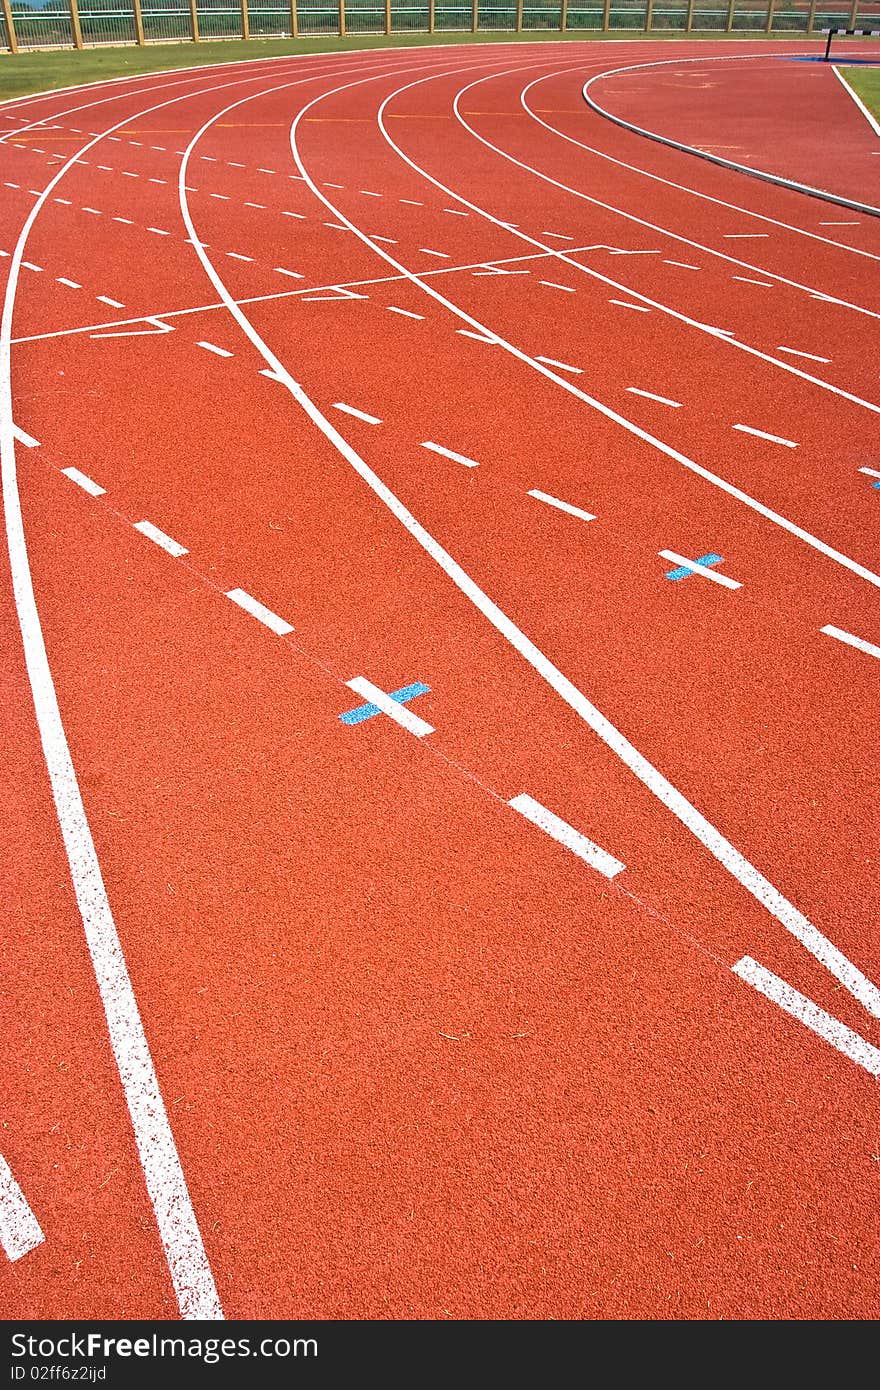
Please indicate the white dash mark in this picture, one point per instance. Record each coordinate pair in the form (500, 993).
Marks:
(260, 612)
(622, 303)
(29, 265)
(747, 280)
(71, 284)
(158, 231)
(455, 212)
(449, 454)
(114, 303)
(407, 313)
(26, 439)
(127, 174)
(562, 506)
(744, 236)
(838, 224)
(760, 434)
(871, 472)
(126, 221)
(810, 356)
(562, 366)
(566, 835)
(478, 337)
(300, 216)
(367, 194)
(399, 713)
(261, 206)
(558, 236)
(222, 197)
(93, 489)
(66, 202)
(649, 395)
(153, 533)
(851, 1044)
(389, 239)
(412, 202)
(552, 285)
(19, 1228)
(847, 637)
(358, 414)
(426, 251)
(292, 274)
(211, 347)
(96, 212)
(683, 265)
(697, 568)
(237, 256)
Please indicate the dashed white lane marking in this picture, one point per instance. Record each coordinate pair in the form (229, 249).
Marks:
(478, 337)
(19, 1228)
(412, 202)
(407, 313)
(114, 303)
(261, 206)
(326, 185)
(747, 280)
(65, 201)
(399, 713)
(810, 356)
(839, 224)
(761, 434)
(96, 212)
(212, 347)
(358, 414)
(449, 454)
(293, 274)
(153, 533)
(683, 265)
(558, 236)
(158, 231)
(29, 265)
(562, 366)
(561, 506)
(566, 835)
(455, 212)
(337, 226)
(649, 395)
(26, 439)
(616, 251)
(368, 194)
(851, 1044)
(237, 256)
(623, 304)
(152, 180)
(222, 197)
(426, 251)
(92, 488)
(552, 285)
(260, 612)
(744, 236)
(871, 472)
(126, 221)
(300, 216)
(850, 640)
(127, 174)
(697, 568)
(389, 239)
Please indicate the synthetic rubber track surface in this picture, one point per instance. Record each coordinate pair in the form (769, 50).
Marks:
(344, 332)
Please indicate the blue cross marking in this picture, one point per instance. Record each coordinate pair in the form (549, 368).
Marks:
(402, 696)
(682, 573)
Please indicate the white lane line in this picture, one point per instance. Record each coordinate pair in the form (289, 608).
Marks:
(851, 1044)
(26, 439)
(93, 489)
(19, 1228)
(261, 206)
(292, 274)
(478, 337)
(747, 280)
(153, 533)
(260, 612)
(126, 221)
(840, 224)
(562, 366)
(152, 180)
(566, 835)
(456, 212)
(744, 236)
(871, 472)
(367, 194)
(810, 356)
(337, 226)
(300, 216)
(223, 197)
(412, 202)
(426, 251)
(449, 454)
(66, 201)
(683, 265)
(127, 174)
(847, 637)
(697, 568)
(71, 284)
(649, 395)
(237, 256)
(408, 313)
(562, 506)
(640, 308)
(552, 285)
(114, 303)
(358, 414)
(399, 713)
(212, 347)
(390, 239)
(761, 434)
(159, 231)
(96, 212)
(857, 99)
(29, 265)
(557, 236)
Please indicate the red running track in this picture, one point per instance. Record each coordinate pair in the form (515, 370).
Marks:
(305, 1018)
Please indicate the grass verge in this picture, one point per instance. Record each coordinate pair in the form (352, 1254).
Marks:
(866, 83)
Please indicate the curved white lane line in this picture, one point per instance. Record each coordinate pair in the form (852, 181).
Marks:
(176, 1220)
(727, 855)
(761, 174)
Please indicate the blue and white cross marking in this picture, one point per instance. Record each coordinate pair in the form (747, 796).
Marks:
(393, 704)
(701, 566)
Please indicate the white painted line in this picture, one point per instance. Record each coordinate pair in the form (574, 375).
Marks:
(93, 489)
(261, 206)
(871, 472)
(367, 194)
(449, 454)
(744, 236)
(390, 239)
(760, 434)
(811, 356)
(615, 251)
(71, 284)
(358, 414)
(26, 439)
(237, 256)
(292, 274)
(29, 265)
(259, 171)
(126, 221)
(427, 252)
(857, 99)
(566, 835)
(683, 265)
(326, 185)
(558, 236)
(114, 303)
(456, 212)
(649, 395)
(127, 174)
(159, 231)
(840, 224)
(300, 216)
(211, 347)
(641, 308)
(224, 197)
(94, 211)
(478, 337)
(847, 637)
(19, 1228)
(412, 202)
(66, 201)
(260, 612)
(393, 309)
(697, 568)
(337, 226)
(562, 506)
(747, 280)
(153, 533)
(399, 713)
(552, 285)
(824, 1025)
(562, 366)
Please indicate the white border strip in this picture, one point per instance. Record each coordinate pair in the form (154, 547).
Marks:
(824, 1025)
(565, 834)
(856, 98)
(850, 641)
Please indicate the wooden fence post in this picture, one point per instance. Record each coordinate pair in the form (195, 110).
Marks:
(75, 24)
(341, 18)
(245, 20)
(194, 20)
(11, 37)
(294, 20)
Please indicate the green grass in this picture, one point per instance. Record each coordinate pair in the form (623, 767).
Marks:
(866, 81)
(44, 71)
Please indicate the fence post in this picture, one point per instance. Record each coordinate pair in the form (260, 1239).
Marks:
(563, 17)
(387, 16)
(138, 23)
(245, 20)
(294, 20)
(10, 27)
(689, 21)
(811, 17)
(519, 16)
(430, 16)
(768, 27)
(75, 24)
(649, 17)
(475, 16)
(853, 14)
(341, 18)
(606, 16)
(194, 20)
(731, 7)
